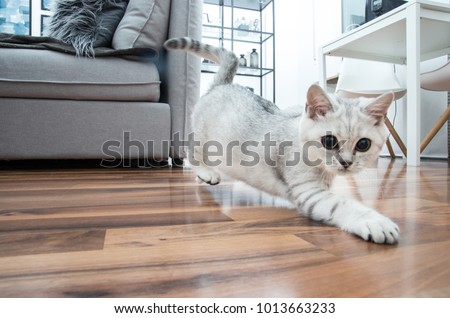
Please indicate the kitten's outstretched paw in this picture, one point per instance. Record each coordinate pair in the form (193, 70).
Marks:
(378, 229)
(209, 177)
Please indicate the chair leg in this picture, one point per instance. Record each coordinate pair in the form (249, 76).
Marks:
(396, 137)
(441, 121)
(389, 147)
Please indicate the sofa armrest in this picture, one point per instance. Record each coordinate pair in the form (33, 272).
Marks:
(182, 72)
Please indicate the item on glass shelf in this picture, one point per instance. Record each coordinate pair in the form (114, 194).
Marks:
(242, 60)
(243, 26)
(255, 25)
(254, 58)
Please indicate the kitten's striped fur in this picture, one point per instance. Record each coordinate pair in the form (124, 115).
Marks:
(232, 117)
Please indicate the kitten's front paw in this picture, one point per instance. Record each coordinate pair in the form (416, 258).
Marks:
(207, 176)
(376, 228)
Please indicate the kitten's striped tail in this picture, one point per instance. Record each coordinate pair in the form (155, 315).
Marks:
(227, 60)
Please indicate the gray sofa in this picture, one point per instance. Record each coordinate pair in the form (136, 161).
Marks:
(58, 106)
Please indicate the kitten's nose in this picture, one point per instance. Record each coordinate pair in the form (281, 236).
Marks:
(345, 164)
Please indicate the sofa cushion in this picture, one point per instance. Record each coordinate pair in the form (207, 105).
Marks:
(53, 75)
(145, 24)
(67, 129)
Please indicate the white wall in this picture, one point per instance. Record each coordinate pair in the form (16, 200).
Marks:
(301, 26)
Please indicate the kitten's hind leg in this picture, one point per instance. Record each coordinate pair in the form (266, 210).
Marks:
(203, 172)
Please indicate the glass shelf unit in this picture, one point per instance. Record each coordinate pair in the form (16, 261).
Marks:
(242, 70)
(242, 26)
(226, 33)
(256, 5)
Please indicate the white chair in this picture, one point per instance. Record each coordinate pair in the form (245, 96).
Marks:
(360, 78)
(437, 80)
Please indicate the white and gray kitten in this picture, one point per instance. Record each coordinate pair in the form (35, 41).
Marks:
(294, 156)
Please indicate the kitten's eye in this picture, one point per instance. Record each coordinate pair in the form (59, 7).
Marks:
(363, 145)
(329, 142)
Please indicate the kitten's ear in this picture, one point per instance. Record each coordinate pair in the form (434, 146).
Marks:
(378, 108)
(317, 102)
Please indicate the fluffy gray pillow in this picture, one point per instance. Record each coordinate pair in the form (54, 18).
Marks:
(85, 24)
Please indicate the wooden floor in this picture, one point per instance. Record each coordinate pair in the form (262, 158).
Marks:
(156, 233)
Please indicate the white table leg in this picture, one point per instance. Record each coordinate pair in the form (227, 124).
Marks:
(413, 84)
(322, 69)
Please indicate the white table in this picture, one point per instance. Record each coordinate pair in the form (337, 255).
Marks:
(416, 31)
